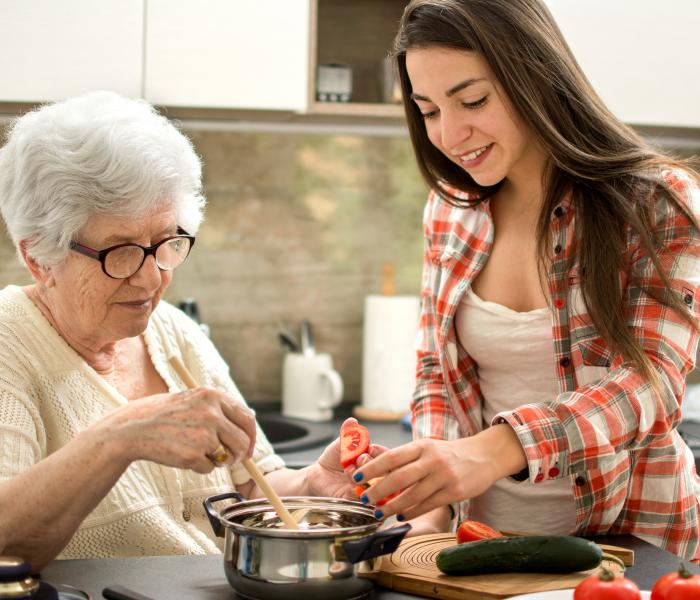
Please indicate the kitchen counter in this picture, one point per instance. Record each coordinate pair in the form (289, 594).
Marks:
(202, 577)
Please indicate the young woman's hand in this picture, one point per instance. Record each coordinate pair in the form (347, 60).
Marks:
(436, 473)
(181, 430)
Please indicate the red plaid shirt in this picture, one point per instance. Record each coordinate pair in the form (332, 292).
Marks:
(607, 430)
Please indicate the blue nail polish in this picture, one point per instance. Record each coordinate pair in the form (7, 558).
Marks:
(357, 476)
(400, 518)
(364, 499)
(378, 514)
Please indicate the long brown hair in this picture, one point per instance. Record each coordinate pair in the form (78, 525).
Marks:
(612, 173)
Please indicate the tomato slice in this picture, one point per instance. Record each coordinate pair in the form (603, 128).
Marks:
(354, 441)
(471, 531)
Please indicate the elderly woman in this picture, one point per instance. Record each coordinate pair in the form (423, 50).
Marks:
(102, 453)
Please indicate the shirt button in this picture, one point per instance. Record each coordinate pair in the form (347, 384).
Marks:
(560, 303)
(580, 480)
(553, 472)
(557, 249)
(565, 362)
(558, 211)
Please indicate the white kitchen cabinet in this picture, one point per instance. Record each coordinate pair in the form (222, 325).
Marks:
(53, 49)
(642, 57)
(227, 53)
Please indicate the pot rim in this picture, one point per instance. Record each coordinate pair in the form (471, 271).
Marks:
(293, 503)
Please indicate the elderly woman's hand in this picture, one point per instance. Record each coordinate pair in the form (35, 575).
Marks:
(181, 430)
(328, 478)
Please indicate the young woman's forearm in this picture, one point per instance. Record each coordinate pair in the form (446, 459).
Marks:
(505, 448)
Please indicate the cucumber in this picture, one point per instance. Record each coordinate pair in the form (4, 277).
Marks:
(520, 554)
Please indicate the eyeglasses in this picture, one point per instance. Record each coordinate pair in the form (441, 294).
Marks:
(124, 260)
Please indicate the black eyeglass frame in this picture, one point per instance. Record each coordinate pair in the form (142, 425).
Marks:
(100, 255)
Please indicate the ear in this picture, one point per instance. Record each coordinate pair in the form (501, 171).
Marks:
(41, 274)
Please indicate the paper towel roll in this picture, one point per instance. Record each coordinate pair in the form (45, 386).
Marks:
(389, 352)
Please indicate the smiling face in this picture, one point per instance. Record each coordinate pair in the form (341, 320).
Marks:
(90, 308)
(468, 116)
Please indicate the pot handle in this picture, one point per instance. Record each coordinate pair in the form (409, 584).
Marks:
(213, 514)
(380, 543)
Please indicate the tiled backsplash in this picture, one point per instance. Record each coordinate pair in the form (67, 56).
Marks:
(298, 225)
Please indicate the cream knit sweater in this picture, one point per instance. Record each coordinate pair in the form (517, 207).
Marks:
(48, 394)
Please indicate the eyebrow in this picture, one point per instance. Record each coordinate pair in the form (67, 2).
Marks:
(453, 90)
(128, 239)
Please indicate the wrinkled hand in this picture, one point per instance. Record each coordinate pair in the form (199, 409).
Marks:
(435, 473)
(327, 477)
(179, 430)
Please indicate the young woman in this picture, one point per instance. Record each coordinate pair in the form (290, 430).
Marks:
(560, 291)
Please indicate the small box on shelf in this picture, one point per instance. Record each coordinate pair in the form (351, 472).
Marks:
(334, 83)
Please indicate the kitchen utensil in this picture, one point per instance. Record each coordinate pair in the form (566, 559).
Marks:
(288, 343)
(288, 339)
(412, 569)
(317, 562)
(249, 465)
(307, 339)
(559, 595)
(311, 387)
(119, 592)
(270, 494)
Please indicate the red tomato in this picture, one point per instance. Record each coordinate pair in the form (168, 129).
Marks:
(354, 441)
(472, 531)
(680, 585)
(606, 587)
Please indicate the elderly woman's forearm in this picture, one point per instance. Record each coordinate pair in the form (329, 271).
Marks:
(286, 482)
(41, 508)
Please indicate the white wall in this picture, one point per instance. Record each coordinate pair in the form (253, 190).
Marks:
(52, 49)
(642, 56)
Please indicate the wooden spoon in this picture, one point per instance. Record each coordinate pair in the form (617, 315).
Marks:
(249, 465)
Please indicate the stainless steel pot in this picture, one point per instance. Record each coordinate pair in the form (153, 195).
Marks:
(319, 561)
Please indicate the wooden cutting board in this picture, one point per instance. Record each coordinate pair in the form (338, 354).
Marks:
(411, 569)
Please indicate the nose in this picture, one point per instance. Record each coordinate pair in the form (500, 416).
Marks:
(455, 129)
(149, 276)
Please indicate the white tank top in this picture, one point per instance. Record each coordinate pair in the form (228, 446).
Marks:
(515, 356)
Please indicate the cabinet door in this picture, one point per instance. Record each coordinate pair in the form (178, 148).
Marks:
(227, 53)
(53, 49)
(642, 56)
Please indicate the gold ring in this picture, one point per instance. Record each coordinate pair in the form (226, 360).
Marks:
(219, 456)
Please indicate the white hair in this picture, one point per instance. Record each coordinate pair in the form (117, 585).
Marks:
(95, 154)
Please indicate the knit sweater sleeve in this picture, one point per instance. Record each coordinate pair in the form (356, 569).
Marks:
(22, 433)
